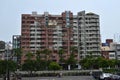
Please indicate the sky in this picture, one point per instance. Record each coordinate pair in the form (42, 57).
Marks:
(11, 10)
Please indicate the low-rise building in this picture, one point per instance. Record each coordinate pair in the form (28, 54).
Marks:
(110, 49)
(2, 49)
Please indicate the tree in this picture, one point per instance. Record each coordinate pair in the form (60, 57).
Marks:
(103, 63)
(94, 63)
(47, 53)
(86, 63)
(29, 56)
(71, 60)
(38, 55)
(29, 66)
(73, 49)
(5, 65)
(117, 63)
(39, 63)
(54, 66)
(12, 65)
(111, 63)
(29, 63)
(60, 53)
(18, 53)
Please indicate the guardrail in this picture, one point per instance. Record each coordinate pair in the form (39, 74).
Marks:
(58, 71)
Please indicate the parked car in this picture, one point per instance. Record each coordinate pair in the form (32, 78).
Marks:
(105, 76)
(96, 74)
(115, 77)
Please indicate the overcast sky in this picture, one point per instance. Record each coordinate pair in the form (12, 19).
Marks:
(11, 10)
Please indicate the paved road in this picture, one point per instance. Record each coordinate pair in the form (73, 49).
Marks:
(57, 78)
(61, 78)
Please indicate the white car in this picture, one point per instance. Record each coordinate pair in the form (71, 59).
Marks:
(104, 76)
(115, 77)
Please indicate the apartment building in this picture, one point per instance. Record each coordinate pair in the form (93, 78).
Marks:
(40, 31)
(88, 34)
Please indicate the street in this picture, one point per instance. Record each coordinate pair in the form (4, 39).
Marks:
(60, 78)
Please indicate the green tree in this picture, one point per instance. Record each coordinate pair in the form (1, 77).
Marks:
(94, 63)
(90, 61)
(60, 53)
(117, 63)
(87, 63)
(71, 60)
(39, 63)
(38, 55)
(5, 65)
(18, 54)
(103, 63)
(111, 63)
(47, 52)
(29, 66)
(12, 65)
(29, 56)
(54, 66)
(73, 50)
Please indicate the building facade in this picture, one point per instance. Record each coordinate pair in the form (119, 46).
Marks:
(5, 50)
(116, 47)
(89, 39)
(110, 49)
(16, 41)
(40, 31)
(2, 50)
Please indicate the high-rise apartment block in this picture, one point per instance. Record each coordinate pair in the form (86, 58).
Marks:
(89, 39)
(40, 31)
